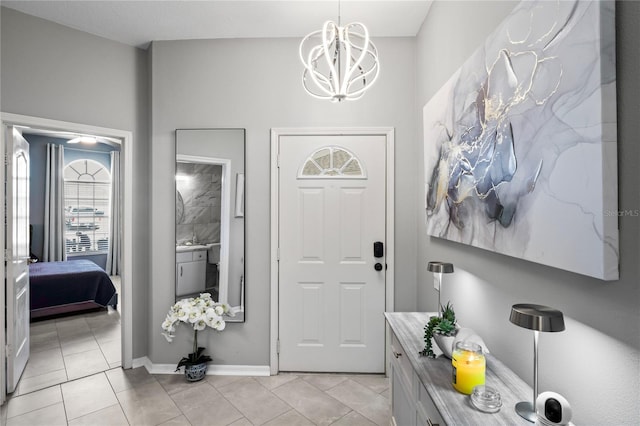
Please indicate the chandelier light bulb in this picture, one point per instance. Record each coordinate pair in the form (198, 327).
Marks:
(340, 62)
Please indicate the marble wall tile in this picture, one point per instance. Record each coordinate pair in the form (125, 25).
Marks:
(201, 197)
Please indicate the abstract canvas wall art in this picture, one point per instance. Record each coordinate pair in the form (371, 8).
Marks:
(520, 143)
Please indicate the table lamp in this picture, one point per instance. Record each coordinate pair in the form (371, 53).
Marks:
(438, 268)
(537, 318)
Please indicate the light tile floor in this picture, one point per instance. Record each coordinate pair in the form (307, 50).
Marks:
(71, 347)
(73, 378)
(134, 397)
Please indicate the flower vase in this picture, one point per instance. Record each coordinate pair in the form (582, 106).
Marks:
(200, 313)
(195, 372)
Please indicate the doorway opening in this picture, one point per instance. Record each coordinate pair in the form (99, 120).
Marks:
(68, 346)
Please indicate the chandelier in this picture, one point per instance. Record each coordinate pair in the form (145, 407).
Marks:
(340, 62)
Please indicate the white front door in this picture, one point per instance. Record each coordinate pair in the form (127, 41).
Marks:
(17, 255)
(332, 209)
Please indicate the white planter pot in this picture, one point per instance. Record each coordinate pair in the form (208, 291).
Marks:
(445, 343)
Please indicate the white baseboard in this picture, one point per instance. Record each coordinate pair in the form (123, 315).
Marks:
(212, 369)
(141, 362)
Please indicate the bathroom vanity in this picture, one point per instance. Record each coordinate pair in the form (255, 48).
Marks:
(421, 390)
(191, 268)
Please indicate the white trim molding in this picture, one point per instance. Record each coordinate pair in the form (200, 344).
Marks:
(126, 139)
(212, 369)
(3, 341)
(389, 133)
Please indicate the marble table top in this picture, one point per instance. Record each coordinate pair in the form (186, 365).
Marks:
(435, 374)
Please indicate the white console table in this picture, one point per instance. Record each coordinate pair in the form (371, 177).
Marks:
(421, 389)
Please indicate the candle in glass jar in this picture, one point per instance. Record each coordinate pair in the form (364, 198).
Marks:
(469, 366)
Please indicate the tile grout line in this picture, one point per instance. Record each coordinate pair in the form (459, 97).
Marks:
(244, 416)
(320, 390)
(64, 406)
(117, 399)
(30, 411)
(349, 407)
(358, 411)
(182, 413)
(280, 399)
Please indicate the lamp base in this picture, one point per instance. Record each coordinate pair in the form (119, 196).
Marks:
(526, 411)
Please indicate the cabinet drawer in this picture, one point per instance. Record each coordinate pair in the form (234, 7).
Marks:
(184, 257)
(427, 409)
(199, 255)
(191, 256)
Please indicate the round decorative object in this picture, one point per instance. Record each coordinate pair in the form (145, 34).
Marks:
(486, 398)
(195, 372)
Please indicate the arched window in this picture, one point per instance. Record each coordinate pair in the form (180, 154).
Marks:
(87, 187)
(332, 162)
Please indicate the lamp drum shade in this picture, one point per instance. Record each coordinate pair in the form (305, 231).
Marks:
(440, 267)
(537, 317)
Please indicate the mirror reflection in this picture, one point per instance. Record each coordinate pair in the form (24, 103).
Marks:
(209, 233)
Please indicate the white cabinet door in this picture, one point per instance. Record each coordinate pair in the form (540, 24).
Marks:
(191, 277)
(403, 408)
(427, 412)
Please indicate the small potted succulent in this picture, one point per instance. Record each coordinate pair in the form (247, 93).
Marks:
(442, 329)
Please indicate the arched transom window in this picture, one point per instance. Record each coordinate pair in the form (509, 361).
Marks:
(332, 162)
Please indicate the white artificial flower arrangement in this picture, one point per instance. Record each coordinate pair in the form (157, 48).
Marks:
(200, 312)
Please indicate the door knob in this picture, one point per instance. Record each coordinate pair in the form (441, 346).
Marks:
(378, 266)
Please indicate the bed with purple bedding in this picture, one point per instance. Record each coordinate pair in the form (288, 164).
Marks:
(63, 287)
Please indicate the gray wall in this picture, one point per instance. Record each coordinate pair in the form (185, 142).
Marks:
(595, 362)
(256, 84)
(55, 72)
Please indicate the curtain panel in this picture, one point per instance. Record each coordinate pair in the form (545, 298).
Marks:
(115, 240)
(54, 241)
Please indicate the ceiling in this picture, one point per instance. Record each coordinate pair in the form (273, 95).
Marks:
(137, 23)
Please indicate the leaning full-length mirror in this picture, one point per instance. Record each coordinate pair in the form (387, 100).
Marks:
(210, 227)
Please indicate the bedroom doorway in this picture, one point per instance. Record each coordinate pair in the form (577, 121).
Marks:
(107, 333)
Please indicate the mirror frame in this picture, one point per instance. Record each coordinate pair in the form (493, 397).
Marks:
(230, 209)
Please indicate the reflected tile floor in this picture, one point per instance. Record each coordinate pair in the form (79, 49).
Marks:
(135, 397)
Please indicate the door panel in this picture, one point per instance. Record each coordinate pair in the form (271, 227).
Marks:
(311, 208)
(17, 255)
(351, 204)
(311, 313)
(352, 311)
(331, 298)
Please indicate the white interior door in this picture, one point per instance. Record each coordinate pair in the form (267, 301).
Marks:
(331, 212)
(17, 255)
